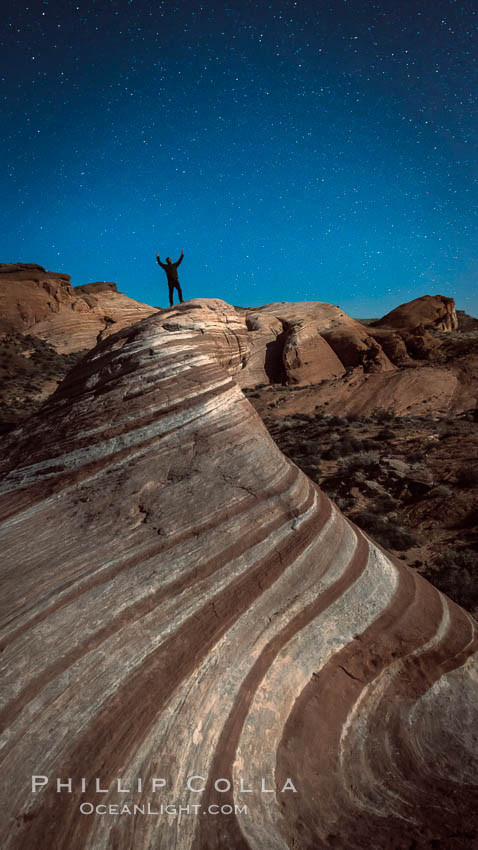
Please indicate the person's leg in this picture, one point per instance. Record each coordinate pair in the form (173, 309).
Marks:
(171, 294)
(180, 292)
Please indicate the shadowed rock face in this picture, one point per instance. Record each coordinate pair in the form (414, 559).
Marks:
(305, 342)
(179, 599)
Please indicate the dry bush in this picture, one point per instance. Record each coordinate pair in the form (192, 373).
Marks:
(456, 574)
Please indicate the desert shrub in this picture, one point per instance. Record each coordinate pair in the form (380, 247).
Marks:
(384, 505)
(349, 445)
(333, 453)
(361, 460)
(416, 457)
(367, 445)
(305, 447)
(441, 491)
(381, 415)
(385, 529)
(312, 469)
(343, 502)
(385, 434)
(346, 446)
(467, 476)
(470, 520)
(369, 520)
(302, 417)
(456, 574)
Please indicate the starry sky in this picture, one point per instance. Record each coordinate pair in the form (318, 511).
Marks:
(294, 149)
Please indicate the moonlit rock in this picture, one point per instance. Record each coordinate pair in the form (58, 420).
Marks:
(180, 600)
(434, 312)
(71, 318)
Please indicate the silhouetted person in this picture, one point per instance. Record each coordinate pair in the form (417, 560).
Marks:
(171, 270)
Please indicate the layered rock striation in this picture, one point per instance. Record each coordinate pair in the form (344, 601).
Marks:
(46, 324)
(179, 599)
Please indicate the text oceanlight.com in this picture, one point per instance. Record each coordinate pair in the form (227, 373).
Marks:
(171, 809)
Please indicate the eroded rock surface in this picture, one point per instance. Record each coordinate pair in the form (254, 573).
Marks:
(289, 343)
(45, 304)
(179, 599)
(45, 326)
(428, 311)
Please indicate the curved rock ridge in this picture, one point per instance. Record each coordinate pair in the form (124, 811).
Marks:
(180, 600)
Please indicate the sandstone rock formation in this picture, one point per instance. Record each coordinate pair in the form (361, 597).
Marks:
(429, 311)
(45, 323)
(356, 347)
(43, 303)
(309, 342)
(29, 294)
(290, 343)
(178, 599)
(294, 344)
(363, 367)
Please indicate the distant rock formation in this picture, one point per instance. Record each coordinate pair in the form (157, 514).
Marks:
(45, 304)
(466, 323)
(45, 325)
(29, 295)
(304, 344)
(29, 271)
(287, 339)
(97, 286)
(287, 344)
(179, 599)
(428, 312)
(307, 342)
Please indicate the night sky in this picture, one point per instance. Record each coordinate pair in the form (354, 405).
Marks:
(295, 150)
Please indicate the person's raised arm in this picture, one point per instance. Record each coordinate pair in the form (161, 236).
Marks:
(159, 261)
(180, 259)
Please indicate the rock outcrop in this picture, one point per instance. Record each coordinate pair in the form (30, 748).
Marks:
(309, 342)
(45, 304)
(435, 312)
(46, 324)
(30, 294)
(179, 599)
(302, 343)
(354, 346)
